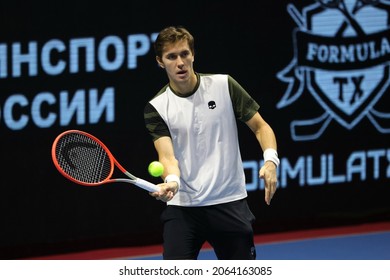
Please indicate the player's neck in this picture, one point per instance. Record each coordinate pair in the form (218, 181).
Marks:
(186, 87)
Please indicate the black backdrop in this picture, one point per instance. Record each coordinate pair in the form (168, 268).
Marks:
(43, 213)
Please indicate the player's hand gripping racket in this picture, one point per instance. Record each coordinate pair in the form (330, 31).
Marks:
(85, 160)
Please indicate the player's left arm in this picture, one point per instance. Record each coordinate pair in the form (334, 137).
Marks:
(246, 110)
(267, 140)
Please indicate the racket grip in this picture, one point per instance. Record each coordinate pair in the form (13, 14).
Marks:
(146, 185)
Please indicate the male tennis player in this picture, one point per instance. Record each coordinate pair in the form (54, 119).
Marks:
(192, 120)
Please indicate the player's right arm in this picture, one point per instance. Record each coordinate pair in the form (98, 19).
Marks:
(166, 156)
(160, 133)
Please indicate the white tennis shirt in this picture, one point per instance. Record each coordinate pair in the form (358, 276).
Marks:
(203, 130)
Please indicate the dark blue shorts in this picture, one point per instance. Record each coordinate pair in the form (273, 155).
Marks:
(226, 227)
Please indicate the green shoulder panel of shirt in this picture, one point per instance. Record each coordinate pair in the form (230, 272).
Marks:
(244, 105)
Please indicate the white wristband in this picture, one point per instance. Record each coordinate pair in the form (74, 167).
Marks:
(271, 155)
(173, 178)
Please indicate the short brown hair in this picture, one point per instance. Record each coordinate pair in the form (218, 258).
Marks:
(170, 35)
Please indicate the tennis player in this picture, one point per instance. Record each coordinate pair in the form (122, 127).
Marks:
(192, 121)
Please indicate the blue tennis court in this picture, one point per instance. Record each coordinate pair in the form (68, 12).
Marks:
(350, 245)
(354, 247)
(357, 242)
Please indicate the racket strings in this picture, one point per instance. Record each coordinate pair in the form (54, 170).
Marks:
(83, 159)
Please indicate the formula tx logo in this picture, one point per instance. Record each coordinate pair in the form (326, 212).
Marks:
(342, 57)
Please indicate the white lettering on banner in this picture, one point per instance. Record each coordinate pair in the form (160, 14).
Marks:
(360, 165)
(351, 53)
(104, 61)
(137, 45)
(77, 55)
(55, 57)
(30, 58)
(46, 54)
(88, 45)
(86, 107)
(3, 61)
(10, 105)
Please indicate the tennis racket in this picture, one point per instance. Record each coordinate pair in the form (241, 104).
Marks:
(85, 160)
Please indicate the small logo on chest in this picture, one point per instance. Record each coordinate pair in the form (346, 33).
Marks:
(212, 105)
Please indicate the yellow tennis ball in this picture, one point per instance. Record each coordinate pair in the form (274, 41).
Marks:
(156, 168)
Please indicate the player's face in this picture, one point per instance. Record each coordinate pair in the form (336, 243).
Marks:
(177, 59)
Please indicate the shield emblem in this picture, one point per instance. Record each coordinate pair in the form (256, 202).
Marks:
(348, 94)
(342, 54)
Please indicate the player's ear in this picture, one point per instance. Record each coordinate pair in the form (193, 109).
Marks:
(159, 62)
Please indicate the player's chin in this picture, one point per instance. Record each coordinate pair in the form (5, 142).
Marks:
(182, 76)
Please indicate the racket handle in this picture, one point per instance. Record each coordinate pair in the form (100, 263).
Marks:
(146, 185)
